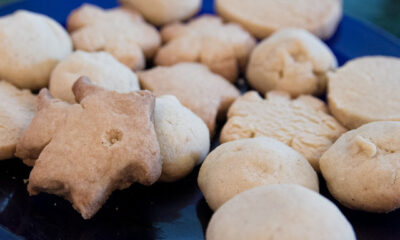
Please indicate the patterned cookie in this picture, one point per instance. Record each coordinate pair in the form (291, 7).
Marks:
(160, 12)
(31, 45)
(279, 211)
(263, 17)
(365, 90)
(17, 108)
(240, 165)
(301, 123)
(224, 48)
(206, 94)
(119, 31)
(291, 60)
(102, 68)
(362, 168)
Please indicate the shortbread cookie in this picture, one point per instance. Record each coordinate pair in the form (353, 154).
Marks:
(301, 123)
(119, 31)
(160, 12)
(183, 137)
(263, 17)
(291, 60)
(365, 90)
(102, 69)
(104, 143)
(224, 48)
(206, 94)
(240, 165)
(279, 211)
(31, 45)
(362, 168)
(17, 108)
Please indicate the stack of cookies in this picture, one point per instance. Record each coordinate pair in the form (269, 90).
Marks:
(103, 120)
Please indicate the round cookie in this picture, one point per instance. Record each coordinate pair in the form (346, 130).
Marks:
(240, 165)
(279, 211)
(291, 60)
(361, 168)
(101, 67)
(183, 138)
(17, 108)
(160, 12)
(31, 45)
(263, 17)
(365, 90)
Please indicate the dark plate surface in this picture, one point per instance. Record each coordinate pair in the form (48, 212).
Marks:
(163, 211)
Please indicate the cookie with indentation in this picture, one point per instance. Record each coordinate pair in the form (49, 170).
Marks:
(240, 165)
(362, 168)
(302, 123)
(119, 31)
(291, 60)
(207, 94)
(365, 90)
(224, 48)
(31, 45)
(102, 69)
(104, 143)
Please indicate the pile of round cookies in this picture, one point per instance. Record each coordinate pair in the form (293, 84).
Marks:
(262, 181)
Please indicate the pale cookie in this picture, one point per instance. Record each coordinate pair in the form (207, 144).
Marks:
(264, 17)
(223, 48)
(303, 123)
(160, 12)
(240, 165)
(279, 211)
(104, 143)
(31, 45)
(362, 168)
(183, 137)
(102, 69)
(17, 108)
(291, 60)
(365, 90)
(119, 31)
(208, 95)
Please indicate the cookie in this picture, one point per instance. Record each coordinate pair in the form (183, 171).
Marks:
(31, 45)
(264, 17)
(301, 123)
(279, 211)
(17, 108)
(104, 143)
(237, 166)
(365, 90)
(208, 95)
(361, 168)
(223, 48)
(291, 60)
(119, 31)
(160, 12)
(102, 68)
(183, 137)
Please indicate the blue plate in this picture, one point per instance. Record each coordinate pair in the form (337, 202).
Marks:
(163, 211)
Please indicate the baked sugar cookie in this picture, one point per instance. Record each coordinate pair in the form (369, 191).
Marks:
(240, 165)
(365, 90)
(160, 12)
(279, 211)
(31, 45)
(101, 67)
(17, 108)
(291, 60)
(362, 168)
(301, 123)
(183, 138)
(263, 17)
